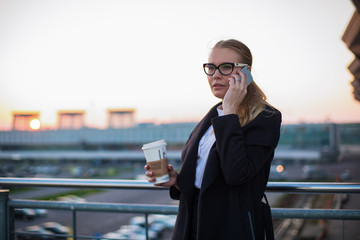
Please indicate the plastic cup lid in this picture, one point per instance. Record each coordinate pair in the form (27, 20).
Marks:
(155, 144)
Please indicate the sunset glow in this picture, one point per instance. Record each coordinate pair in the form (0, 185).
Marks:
(100, 55)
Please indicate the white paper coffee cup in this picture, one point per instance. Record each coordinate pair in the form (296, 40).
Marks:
(155, 155)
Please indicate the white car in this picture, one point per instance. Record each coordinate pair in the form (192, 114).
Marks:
(55, 227)
(71, 198)
(40, 212)
(167, 220)
(139, 221)
(137, 232)
(114, 235)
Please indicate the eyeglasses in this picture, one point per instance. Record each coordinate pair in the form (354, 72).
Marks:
(224, 68)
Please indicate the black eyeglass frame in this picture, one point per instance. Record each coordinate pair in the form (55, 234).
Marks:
(218, 67)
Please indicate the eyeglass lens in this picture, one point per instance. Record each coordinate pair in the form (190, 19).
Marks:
(224, 68)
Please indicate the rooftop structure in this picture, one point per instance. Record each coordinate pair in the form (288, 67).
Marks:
(25, 121)
(71, 120)
(351, 38)
(121, 118)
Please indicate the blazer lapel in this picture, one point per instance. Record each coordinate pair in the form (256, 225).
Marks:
(212, 168)
(186, 177)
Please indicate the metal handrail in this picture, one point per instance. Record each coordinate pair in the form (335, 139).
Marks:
(77, 183)
(7, 204)
(277, 213)
(289, 187)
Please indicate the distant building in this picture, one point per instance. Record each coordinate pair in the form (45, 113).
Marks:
(121, 118)
(22, 120)
(299, 143)
(71, 120)
(351, 38)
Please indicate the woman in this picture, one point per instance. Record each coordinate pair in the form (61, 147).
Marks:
(226, 160)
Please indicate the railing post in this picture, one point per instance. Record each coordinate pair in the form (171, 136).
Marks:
(146, 227)
(4, 196)
(74, 223)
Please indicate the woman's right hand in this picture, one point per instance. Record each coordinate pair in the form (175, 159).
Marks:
(172, 176)
(236, 93)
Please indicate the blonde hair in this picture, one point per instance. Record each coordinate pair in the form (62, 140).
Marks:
(255, 100)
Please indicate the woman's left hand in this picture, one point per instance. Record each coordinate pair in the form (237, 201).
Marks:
(172, 176)
(236, 92)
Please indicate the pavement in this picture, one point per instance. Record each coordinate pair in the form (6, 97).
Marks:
(346, 230)
(350, 229)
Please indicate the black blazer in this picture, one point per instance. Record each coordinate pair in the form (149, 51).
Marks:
(235, 177)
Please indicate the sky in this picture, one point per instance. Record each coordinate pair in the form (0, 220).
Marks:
(94, 55)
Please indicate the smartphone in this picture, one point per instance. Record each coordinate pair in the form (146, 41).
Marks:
(249, 77)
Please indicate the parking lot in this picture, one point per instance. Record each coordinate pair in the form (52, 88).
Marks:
(99, 223)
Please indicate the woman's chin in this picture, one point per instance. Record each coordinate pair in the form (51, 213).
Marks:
(219, 94)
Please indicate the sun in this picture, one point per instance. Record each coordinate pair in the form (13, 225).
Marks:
(35, 124)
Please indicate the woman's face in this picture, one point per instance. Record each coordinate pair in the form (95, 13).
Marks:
(219, 83)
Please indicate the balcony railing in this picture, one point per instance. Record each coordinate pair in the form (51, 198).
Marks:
(7, 205)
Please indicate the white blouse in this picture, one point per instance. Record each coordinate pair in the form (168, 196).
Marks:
(205, 144)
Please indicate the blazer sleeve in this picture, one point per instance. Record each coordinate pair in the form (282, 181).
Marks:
(175, 193)
(243, 151)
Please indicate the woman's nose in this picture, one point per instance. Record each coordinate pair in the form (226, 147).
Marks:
(217, 73)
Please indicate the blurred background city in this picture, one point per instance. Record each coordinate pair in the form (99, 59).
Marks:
(84, 84)
(307, 152)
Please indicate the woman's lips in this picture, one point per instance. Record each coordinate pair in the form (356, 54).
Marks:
(218, 86)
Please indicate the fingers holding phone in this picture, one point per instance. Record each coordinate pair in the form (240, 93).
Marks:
(237, 90)
(235, 79)
(247, 72)
(243, 75)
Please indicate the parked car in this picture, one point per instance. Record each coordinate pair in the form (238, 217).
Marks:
(167, 220)
(40, 212)
(158, 223)
(34, 233)
(158, 228)
(71, 198)
(24, 213)
(139, 221)
(56, 228)
(137, 232)
(115, 235)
